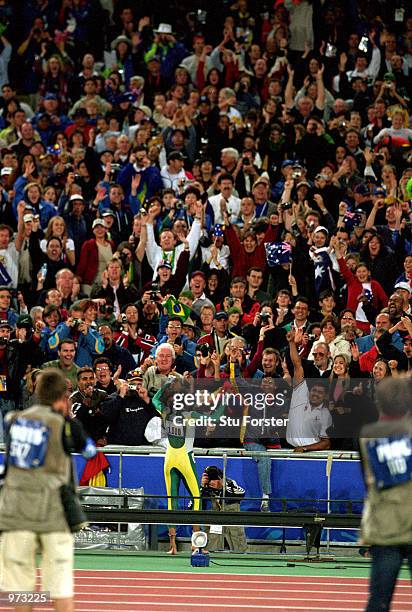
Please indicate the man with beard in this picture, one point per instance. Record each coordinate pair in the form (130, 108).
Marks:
(395, 308)
(86, 405)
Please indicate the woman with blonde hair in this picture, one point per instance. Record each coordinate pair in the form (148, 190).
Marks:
(56, 228)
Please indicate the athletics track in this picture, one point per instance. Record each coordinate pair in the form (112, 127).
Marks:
(156, 583)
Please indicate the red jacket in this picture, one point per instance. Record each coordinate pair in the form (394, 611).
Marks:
(89, 261)
(242, 261)
(380, 299)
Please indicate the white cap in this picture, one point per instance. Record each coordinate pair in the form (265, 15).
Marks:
(403, 285)
(76, 196)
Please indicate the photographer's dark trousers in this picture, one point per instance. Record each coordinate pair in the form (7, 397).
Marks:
(386, 563)
(235, 536)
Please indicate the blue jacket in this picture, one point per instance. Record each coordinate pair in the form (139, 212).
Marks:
(45, 209)
(89, 346)
(365, 343)
(150, 184)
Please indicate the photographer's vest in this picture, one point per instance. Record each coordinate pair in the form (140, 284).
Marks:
(37, 467)
(386, 451)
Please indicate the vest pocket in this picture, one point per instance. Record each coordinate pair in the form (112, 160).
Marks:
(31, 507)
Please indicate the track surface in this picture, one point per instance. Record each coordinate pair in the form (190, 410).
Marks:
(132, 591)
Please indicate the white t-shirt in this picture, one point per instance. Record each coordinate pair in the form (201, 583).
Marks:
(10, 259)
(306, 425)
(233, 208)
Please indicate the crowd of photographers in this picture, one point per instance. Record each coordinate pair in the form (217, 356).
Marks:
(229, 203)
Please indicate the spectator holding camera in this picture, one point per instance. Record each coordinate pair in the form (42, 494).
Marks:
(130, 415)
(89, 342)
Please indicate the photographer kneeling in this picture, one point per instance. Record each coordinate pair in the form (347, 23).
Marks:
(212, 490)
(130, 414)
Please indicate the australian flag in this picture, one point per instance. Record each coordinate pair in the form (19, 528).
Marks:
(323, 270)
(351, 219)
(278, 253)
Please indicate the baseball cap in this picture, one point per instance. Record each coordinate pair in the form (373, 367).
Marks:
(24, 321)
(405, 338)
(28, 217)
(108, 213)
(379, 191)
(135, 374)
(4, 323)
(97, 222)
(189, 323)
(154, 58)
(221, 315)
(76, 196)
(50, 96)
(204, 100)
(302, 184)
(403, 285)
(362, 189)
(198, 273)
(287, 162)
(165, 264)
(389, 76)
(6, 171)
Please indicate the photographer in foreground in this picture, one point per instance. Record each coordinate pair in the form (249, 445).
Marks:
(212, 491)
(38, 482)
(132, 419)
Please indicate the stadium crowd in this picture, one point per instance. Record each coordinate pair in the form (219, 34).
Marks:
(222, 193)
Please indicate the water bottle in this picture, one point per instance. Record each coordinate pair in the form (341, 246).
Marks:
(43, 271)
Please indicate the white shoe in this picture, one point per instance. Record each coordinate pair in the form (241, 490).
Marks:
(264, 506)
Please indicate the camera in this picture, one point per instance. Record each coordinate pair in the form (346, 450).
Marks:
(154, 291)
(231, 302)
(312, 337)
(296, 174)
(243, 87)
(77, 322)
(265, 316)
(115, 167)
(245, 161)
(123, 318)
(204, 349)
(178, 341)
(363, 45)
(123, 259)
(287, 205)
(132, 387)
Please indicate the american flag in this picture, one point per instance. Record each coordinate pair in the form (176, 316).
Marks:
(278, 253)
